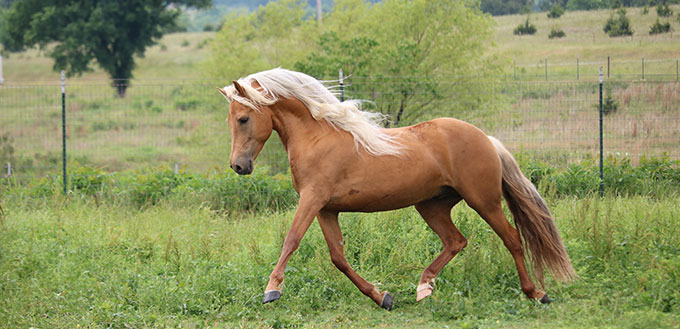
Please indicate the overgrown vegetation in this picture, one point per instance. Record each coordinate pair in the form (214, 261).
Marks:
(226, 192)
(619, 25)
(218, 191)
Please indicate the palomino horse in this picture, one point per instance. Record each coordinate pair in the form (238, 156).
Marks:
(342, 160)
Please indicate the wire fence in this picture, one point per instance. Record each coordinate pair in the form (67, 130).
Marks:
(181, 123)
(645, 69)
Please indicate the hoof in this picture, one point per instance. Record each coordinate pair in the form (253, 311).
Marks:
(387, 301)
(545, 299)
(424, 290)
(270, 296)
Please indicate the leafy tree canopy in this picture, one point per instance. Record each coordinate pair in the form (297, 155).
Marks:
(79, 32)
(407, 56)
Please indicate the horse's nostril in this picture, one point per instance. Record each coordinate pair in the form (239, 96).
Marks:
(237, 168)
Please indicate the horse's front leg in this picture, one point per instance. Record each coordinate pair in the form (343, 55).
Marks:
(328, 220)
(309, 205)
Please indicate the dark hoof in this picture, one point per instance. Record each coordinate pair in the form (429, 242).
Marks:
(545, 299)
(387, 301)
(270, 296)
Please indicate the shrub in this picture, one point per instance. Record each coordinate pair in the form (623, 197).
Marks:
(618, 26)
(87, 180)
(645, 10)
(659, 27)
(556, 32)
(185, 43)
(526, 28)
(663, 10)
(556, 11)
(208, 28)
(609, 104)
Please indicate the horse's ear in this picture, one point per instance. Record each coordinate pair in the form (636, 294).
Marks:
(223, 92)
(239, 89)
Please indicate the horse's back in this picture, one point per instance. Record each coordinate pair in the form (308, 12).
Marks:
(461, 149)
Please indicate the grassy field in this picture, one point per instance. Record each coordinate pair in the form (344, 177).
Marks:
(69, 263)
(586, 41)
(180, 260)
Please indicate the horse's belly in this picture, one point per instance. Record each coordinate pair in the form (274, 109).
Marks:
(382, 196)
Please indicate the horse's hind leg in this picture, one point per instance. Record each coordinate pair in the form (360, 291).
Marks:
(492, 212)
(437, 215)
(331, 231)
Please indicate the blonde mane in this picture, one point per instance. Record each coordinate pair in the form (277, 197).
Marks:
(321, 103)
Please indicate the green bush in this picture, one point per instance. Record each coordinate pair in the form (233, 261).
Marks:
(526, 28)
(556, 11)
(228, 192)
(619, 25)
(663, 10)
(659, 27)
(87, 180)
(556, 32)
(653, 176)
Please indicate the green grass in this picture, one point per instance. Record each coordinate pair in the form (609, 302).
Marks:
(67, 263)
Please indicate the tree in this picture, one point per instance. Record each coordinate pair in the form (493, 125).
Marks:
(404, 56)
(619, 25)
(410, 58)
(78, 32)
(556, 11)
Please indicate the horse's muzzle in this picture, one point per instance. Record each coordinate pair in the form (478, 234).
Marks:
(243, 167)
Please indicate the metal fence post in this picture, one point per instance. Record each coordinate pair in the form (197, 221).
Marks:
(601, 142)
(1, 78)
(342, 86)
(546, 69)
(9, 169)
(643, 67)
(63, 129)
(577, 73)
(607, 67)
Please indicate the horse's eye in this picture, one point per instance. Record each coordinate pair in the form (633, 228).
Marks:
(242, 120)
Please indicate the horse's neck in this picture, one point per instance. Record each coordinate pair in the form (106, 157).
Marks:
(295, 125)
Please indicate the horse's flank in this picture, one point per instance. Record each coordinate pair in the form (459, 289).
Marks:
(364, 126)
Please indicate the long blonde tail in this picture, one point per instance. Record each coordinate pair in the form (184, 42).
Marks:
(534, 221)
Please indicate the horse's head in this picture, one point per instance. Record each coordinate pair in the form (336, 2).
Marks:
(250, 129)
